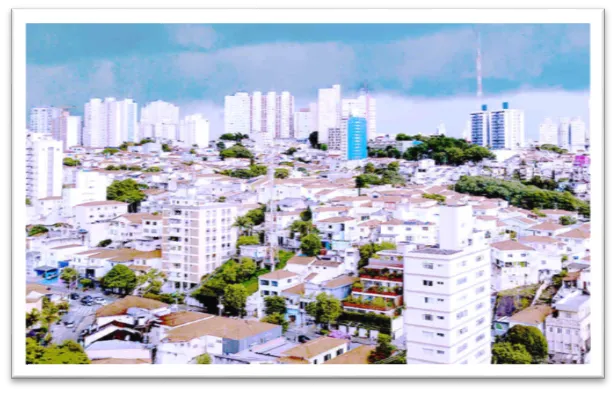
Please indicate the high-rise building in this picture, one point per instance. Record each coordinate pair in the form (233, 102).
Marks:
(67, 129)
(356, 134)
(447, 295)
(329, 111)
(237, 113)
(256, 112)
(109, 122)
(44, 157)
(160, 112)
(548, 132)
(440, 129)
(198, 237)
(270, 104)
(284, 115)
(572, 133)
(498, 129)
(195, 129)
(362, 106)
(303, 123)
(41, 118)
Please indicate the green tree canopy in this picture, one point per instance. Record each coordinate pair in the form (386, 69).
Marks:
(104, 243)
(128, 191)
(383, 350)
(275, 304)
(507, 353)
(367, 251)
(69, 352)
(247, 241)
(70, 276)
(152, 281)
(35, 230)
(277, 319)
(436, 197)
(311, 245)
(281, 173)
(153, 169)
(68, 161)
(165, 147)
(246, 268)
(245, 224)
(306, 215)
(236, 151)
(566, 220)
(314, 139)
(120, 277)
(369, 168)
(235, 298)
(325, 310)
(302, 227)
(204, 359)
(110, 150)
(531, 338)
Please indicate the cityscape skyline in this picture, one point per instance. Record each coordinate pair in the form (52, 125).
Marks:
(197, 65)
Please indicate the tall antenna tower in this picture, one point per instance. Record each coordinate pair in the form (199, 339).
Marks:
(478, 65)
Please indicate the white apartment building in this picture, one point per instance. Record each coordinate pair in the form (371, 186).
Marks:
(499, 129)
(195, 129)
(44, 157)
(67, 128)
(91, 212)
(160, 112)
(198, 236)
(548, 133)
(237, 113)
(572, 133)
(272, 284)
(328, 111)
(271, 121)
(256, 112)
(447, 295)
(286, 108)
(41, 118)
(513, 265)
(303, 123)
(109, 122)
(362, 106)
(568, 331)
(90, 186)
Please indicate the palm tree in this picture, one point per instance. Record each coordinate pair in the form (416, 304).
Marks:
(244, 223)
(32, 317)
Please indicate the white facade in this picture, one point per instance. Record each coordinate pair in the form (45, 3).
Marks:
(286, 109)
(41, 118)
(237, 113)
(91, 212)
(195, 129)
(89, 187)
(447, 296)
(109, 122)
(362, 106)
(499, 129)
(160, 112)
(256, 112)
(270, 114)
(67, 128)
(44, 157)
(568, 333)
(303, 124)
(197, 238)
(548, 133)
(329, 111)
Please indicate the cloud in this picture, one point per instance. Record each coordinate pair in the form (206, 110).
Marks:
(193, 36)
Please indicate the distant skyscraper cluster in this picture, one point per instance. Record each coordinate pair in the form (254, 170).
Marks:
(498, 129)
(270, 113)
(569, 133)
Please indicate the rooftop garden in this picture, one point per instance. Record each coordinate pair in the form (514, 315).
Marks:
(378, 303)
(381, 274)
(378, 289)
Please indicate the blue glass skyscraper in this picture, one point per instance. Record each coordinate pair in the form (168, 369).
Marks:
(357, 138)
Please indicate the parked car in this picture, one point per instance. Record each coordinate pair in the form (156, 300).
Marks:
(87, 301)
(303, 339)
(74, 296)
(69, 321)
(100, 300)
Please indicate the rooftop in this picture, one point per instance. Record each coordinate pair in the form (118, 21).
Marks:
(314, 347)
(234, 329)
(278, 275)
(120, 307)
(358, 355)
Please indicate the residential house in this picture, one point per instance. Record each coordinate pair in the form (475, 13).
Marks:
(513, 265)
(316, 351)
(568, 330)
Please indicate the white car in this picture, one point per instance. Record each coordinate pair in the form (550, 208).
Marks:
(100, 300)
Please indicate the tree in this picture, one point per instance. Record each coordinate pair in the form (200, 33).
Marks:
(68, 161)
(323, 146)
(257, 216)
(236, 151)
(35, 230)
(104, 243)
(235, 298)
(228, 272)
(246, 268)
(165, 147)
(120, 277)
(128, 191)
(69, 352)
(567, 220)
(367, 251)
(531, 338)
(306, 215)
(302, 227)
(277, 319)
(70, 276)
(245, 224)
(110, 151)
(153, 169)
(247, 241)
(369, 168)
(275, 304)
(50, 313)
(281, 173)
(32, 317)
(314, 139)
(204, 359)
(507, 353)
(193, 151)
(436, 197)
(325, 310)
(310, 245)
(152, 281)
(290, 151)
(383, 350)
(28, 202)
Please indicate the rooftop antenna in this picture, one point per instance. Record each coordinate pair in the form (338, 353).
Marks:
(478, 65)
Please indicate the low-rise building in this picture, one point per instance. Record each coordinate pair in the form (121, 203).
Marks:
(568, 330)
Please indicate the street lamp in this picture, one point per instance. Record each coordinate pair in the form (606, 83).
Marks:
(220, 307)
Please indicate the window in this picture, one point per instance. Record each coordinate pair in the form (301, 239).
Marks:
(440, 352)
(462, 264)
(479, 306)
(314, 361)
(480, 289)
(440, 282)
(427, 317)
(427, 283)
(440, 317)
(327, 357)
(480, 337)
(480, 273)
(428, 300)
(427, 334)
(274, 283)
(480, 353)
(428, 266)
(462, 347)
(440, 334)
(559, 330)
(551, 329)
(461, 314)
(463, 330)
(339, 352)
(428, 351)
(479, 258)
(461, 281)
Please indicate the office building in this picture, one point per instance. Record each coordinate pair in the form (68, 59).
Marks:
(329, 111)
(548, 133)
(498, 129)
(44, 157)
(67, 129)
(356, 133)
(195, 130)
(41, 118)
(237, 113)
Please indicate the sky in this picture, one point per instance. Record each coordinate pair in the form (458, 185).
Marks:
(420, 74)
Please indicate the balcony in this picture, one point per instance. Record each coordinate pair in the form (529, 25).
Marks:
(381, 275)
